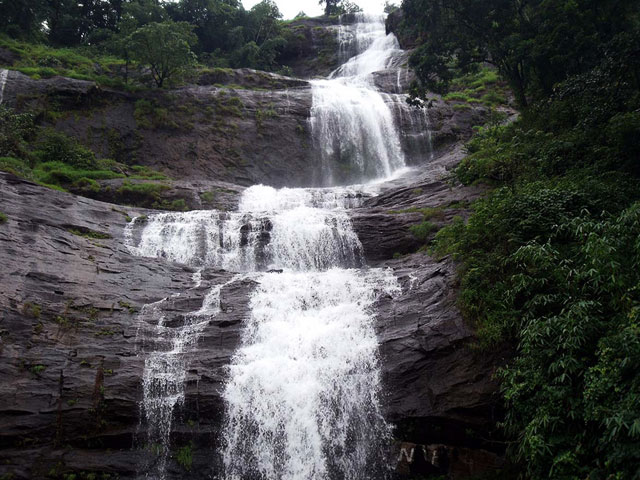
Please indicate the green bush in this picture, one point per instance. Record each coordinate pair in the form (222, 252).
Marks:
(16, 130)
(86, 184)
(423, 230)
(54, 146)
(184, 457)
(59, 173)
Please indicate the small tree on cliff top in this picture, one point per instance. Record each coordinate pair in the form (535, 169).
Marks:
(165, 47)
(339, 7)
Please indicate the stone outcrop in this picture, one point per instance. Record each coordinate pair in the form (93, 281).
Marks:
(70, 376)
(72, 337)
(311, 50)
(239, 133)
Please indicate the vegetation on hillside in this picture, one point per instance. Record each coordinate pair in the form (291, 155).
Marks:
(550, 259)
(148, 42)
(58, 161)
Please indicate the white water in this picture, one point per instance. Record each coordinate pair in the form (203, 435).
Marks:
(351, 122)
(165, 369)
(303, 393)
(286, 233)
(4, 74)
(302, 398)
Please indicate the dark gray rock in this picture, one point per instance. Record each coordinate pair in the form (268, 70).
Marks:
(249, 78)
(70, 379)
(311, 49)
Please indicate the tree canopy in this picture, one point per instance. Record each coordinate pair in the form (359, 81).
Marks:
(165, 47)
(534, 44)
(227, 34)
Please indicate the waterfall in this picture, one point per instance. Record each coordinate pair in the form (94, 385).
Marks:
(165, 369)
(303, 391)
(4, 75)
(302, 398)
(352, 125)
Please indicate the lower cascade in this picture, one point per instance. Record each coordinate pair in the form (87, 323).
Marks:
(303, 390)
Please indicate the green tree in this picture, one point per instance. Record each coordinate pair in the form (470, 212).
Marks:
(23, 19)
(534, 44)
(345, 6)
(264, 21)
(330, 6)
(165, 48)
(214, 21)
(390, 7)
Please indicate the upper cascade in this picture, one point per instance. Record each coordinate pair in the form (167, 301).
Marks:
(353, 126)
(365, 47)
(296, 229)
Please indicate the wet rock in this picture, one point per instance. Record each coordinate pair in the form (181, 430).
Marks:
(249, 78)
(439, 387)
(70, 379)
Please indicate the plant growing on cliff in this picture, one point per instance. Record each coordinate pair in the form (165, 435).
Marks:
(184, 457)
(165, 48)
(16, 129)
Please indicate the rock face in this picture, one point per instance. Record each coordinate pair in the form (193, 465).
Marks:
(73, 333)
(312, 46)
(73, 338)
(71, 370)
(232, 135)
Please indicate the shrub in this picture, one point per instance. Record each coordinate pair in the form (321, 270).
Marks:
(54, 146)
(422, 230)
(184, 457)
(16, 129)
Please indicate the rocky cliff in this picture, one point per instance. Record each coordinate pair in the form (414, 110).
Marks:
(73, 331)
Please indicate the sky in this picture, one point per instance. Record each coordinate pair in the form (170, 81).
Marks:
(290, 8)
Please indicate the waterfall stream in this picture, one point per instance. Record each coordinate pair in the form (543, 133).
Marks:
(351, 122)
(303, 392)
(4, 74)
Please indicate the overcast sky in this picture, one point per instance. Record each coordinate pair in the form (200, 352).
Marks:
(290, 8)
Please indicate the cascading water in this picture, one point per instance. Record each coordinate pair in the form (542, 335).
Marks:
(303, 391)
(165, 369)
(352, 125)
(4, 74)
(302, 397)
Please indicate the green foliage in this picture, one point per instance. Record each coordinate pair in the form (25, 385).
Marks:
(58, 161)
(184, 457)
(534, 45)
(31, 309)
(16, 130)
(423, 230)
(56, 147)
(88, 233)
(149, 114)
(37, 369)
(42, 61)
(64, 175)
(165, 48)
(207, 197)
(553, 266)
(339, 7)
(549, 260)
(3, 218)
